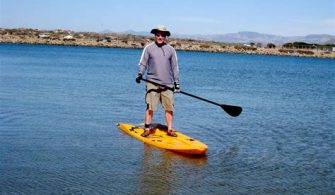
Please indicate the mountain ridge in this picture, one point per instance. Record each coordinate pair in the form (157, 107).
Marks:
(248, 37)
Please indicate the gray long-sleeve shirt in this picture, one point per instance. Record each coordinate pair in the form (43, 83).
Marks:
(160, 63)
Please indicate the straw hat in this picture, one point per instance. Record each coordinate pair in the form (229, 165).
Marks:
(161, 28)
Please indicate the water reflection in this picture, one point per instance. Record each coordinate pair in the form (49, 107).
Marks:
(163, 171)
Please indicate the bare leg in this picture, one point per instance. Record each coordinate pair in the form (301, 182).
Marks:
(169, 119)
(148, 116)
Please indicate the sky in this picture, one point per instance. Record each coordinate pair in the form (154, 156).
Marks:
(278, 17)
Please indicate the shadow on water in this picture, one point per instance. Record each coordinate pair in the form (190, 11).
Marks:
(164, 171)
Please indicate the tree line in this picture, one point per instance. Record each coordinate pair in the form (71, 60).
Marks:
(303, 45)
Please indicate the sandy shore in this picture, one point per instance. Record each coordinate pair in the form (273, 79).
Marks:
(70, 38)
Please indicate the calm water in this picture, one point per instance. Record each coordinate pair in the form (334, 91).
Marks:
(59, 106)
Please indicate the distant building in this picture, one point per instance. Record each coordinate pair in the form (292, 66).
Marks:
(43, 36)
(69, 38)
(333, 49)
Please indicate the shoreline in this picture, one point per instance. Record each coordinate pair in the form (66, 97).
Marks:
(113, 40)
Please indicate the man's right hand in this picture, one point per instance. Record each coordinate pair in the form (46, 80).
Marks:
(176, 87)
(138, 78)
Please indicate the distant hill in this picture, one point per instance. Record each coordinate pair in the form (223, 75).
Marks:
(132, 32)
(248, 37)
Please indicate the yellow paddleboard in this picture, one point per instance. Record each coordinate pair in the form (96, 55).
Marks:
(160, 139)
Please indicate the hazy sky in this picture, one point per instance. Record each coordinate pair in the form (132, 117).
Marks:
(280, 17)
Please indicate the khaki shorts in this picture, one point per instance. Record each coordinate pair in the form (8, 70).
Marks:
(155, 94)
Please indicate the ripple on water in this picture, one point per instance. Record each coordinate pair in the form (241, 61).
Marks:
(59, 106)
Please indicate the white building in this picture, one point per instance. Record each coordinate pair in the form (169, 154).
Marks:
(68, 38)
(43, 36)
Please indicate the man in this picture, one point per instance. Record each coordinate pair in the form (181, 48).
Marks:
(159, 62)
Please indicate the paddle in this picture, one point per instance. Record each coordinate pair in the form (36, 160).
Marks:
(229, 109)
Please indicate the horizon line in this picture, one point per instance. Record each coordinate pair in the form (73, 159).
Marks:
(177, 33)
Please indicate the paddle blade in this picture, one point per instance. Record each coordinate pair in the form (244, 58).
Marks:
(232, 110)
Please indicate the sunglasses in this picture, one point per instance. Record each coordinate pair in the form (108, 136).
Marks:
(160, 35)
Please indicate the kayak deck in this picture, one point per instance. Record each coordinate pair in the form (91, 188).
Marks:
(158, 137)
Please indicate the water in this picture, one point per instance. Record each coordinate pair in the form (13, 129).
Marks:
(59, 106)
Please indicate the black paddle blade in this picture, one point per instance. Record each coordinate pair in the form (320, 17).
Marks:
(232, 110)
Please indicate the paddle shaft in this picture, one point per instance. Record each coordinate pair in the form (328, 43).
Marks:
(183, 92)
(200, 98)
(231, 110)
